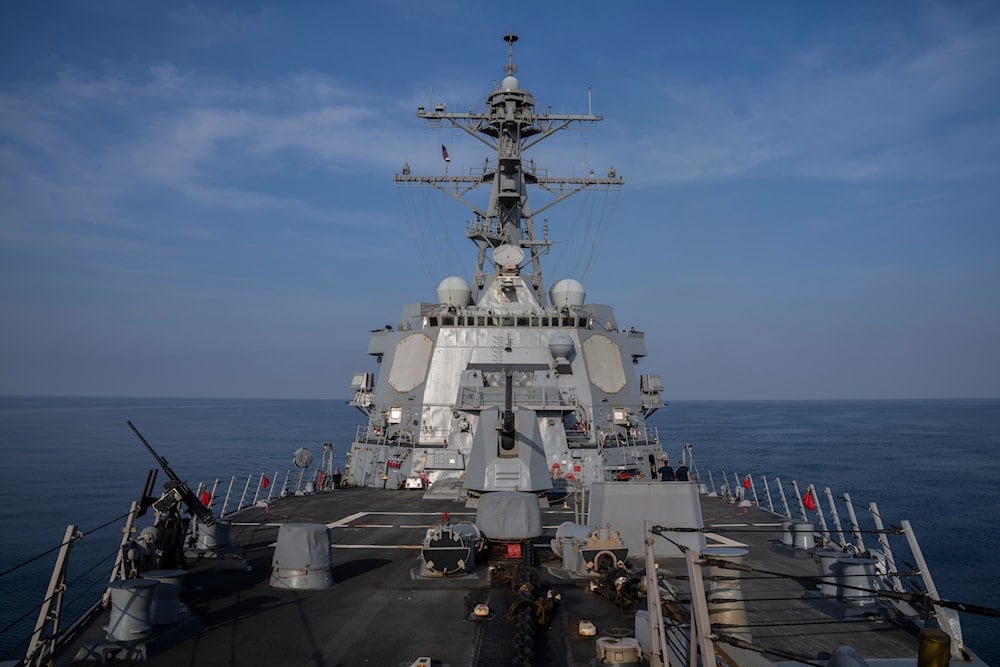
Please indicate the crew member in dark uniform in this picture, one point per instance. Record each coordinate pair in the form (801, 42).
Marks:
(681, 474)
(666, 472)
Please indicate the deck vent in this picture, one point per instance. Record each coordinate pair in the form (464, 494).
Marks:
(302, 557)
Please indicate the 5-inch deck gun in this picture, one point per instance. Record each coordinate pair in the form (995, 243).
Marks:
(176, 490)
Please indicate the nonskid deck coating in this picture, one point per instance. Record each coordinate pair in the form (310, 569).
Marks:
(379, 613)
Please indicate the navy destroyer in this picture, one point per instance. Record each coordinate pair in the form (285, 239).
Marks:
(506, 501)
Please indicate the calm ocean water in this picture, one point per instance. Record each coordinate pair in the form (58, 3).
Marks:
(73, 460)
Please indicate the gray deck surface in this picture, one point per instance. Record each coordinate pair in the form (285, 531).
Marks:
(378, 613)
(788, 615)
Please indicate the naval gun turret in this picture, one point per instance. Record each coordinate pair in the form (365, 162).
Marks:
(506, 453)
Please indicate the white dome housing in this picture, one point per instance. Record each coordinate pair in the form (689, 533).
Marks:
(454, 291)
(510, 83)
(561, 346)
(567, 292)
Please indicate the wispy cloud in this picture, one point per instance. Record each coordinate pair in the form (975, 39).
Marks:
(77, 146)
(924, 110)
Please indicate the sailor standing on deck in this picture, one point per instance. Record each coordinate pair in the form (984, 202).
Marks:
(666, 472)
(336, 478)
(681, 474)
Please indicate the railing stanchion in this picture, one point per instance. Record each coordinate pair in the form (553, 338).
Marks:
(836, 518)
(52, 604)
(883, 538)
(859, 541)
(245, 489)
(229, 493)
(767, 490)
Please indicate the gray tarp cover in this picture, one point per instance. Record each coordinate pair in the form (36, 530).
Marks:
(302, 556)
(509, 515)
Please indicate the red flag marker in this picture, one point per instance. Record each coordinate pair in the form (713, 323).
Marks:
(809, 501)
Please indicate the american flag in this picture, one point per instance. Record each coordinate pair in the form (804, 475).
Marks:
(444, 154)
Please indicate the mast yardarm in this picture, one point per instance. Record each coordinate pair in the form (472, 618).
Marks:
(509, 126)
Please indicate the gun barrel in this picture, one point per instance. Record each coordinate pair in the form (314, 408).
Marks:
(187, 495)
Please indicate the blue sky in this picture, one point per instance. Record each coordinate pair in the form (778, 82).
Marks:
(197, 199)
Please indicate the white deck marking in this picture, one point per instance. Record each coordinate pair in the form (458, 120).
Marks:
(424, 513)
(255, 523)
(376, 546)
(744, 525)
(723, 541)
(345, 520)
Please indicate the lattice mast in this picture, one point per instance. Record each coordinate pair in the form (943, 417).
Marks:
(509, 126)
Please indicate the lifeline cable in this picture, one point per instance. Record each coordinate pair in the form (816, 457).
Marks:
(78, 536)
(968, 607)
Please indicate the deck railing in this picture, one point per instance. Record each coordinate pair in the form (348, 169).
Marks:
(851, 530)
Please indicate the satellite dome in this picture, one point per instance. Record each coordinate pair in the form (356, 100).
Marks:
(567, 292)
(454, 291)
(561, 346)
(510, 83)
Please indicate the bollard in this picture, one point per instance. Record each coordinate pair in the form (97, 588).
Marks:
(723, 591)
(166, 606)
(130, 603)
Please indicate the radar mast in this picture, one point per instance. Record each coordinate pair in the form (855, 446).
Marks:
(509, 126)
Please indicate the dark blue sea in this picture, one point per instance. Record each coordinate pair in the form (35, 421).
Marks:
(74, 460)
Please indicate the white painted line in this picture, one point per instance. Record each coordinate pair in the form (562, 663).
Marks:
(744, 525)
(346, 520)
(723, 541)
(373, 525)
(255, 523)
(425, 513)
(376, 546)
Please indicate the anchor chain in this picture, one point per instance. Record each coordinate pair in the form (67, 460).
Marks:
(531, 609)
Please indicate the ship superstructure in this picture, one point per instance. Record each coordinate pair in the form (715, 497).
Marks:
(502, 384)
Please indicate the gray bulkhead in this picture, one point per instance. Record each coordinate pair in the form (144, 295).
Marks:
(442, 367)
